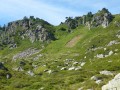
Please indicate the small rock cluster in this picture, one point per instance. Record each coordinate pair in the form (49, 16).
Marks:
(113, 42)
(103, 56)
(96, 79)
(71, 64)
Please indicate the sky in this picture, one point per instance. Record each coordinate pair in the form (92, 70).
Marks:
(53, 11)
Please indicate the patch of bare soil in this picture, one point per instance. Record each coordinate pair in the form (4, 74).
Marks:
(73, 42)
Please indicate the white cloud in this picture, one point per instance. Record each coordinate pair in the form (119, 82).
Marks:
(53, 11)
(18, 8)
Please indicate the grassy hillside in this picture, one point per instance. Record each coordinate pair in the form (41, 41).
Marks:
(63, 66)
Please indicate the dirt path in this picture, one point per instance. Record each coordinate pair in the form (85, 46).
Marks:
(73, 42)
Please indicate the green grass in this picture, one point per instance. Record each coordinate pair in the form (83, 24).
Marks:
(55, 54)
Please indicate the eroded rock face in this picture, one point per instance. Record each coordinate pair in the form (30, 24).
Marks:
(101, 18)
(39, 34)
(114, 84)
(27, 28)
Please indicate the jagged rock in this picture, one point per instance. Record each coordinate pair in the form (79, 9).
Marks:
(114, 84)
(40, 34)
(30, 35)
(26, 28)
(103, 17)
(106, 20)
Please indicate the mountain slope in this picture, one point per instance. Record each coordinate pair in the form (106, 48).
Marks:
(80, 58)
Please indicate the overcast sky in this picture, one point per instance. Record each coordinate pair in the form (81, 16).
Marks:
(53, 11)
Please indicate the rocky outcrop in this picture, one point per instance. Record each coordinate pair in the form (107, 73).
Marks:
(114, 84)
(39, 34)
(34, 29)
(101, 18)
(25, 54)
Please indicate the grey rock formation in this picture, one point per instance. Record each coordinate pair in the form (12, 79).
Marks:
(102, 20)
(25, 54)
(105, 22)
(105, 72)
(114, 84)
(34, 30)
